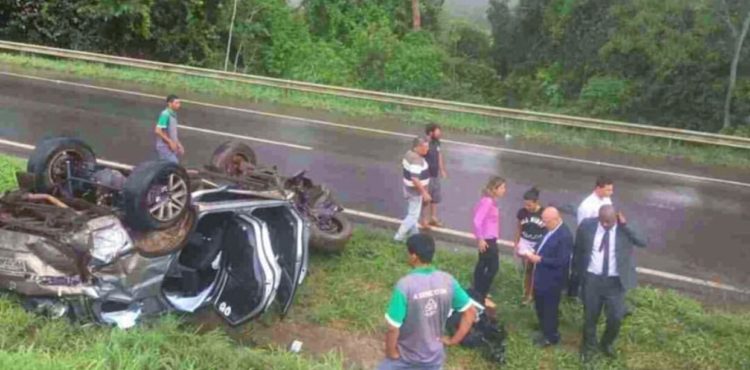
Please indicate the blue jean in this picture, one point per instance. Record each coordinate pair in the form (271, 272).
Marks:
(165, 154)
(389, 364)
(409, 224)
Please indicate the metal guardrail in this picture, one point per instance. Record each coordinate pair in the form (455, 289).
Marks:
(397, 99)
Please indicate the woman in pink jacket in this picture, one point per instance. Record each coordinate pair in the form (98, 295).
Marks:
(487, 230)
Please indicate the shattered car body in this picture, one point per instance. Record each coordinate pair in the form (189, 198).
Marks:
(232, 250)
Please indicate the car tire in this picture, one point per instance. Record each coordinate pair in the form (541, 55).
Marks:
(228, 156)
(47, 162)
(328, 241)
(156, 195)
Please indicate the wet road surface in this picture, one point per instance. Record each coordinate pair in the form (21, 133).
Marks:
(695, 228)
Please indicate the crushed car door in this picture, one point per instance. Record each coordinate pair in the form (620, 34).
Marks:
(289, 241)
(250, 275)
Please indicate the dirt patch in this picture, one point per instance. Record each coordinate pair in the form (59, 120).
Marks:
(358, 351)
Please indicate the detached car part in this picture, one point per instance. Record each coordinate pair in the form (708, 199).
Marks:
(330, 229)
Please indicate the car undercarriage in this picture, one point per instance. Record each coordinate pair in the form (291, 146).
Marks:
(87, 241)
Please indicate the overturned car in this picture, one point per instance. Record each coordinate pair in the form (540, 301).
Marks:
(88, 241)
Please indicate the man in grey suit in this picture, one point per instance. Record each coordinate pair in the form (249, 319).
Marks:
(604, 250)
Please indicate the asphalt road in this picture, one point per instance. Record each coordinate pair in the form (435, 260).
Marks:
(695, 228)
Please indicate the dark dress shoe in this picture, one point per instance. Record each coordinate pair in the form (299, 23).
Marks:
(587, 357)
(628, 312)
(544, 342)
(609, 351)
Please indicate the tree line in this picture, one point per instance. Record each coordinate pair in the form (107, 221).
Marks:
(675, 63)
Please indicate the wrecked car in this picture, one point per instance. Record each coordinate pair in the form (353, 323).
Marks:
(88, 241)
(330, 229)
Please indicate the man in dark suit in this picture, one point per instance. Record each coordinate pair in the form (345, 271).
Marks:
(605, 260)
(551, 262)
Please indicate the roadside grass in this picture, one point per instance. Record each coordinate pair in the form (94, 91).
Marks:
(541, 132)
(666, 331)
(8, 168)
(350, 291)
(33, 343)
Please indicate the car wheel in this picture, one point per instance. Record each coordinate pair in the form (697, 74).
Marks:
(233, 158)
(156, 195)
(49, 163)
(333, 237)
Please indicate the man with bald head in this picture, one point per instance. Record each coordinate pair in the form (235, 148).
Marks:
(605, 261)
(551, 261)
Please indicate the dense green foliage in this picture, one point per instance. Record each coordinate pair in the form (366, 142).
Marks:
(663, 62)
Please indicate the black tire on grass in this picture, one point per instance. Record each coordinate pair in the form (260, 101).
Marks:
(331, 241)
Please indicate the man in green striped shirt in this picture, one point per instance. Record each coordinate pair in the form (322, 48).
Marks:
(419, 308)
(168, 145)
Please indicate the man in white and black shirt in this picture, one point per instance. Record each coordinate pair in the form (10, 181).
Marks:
(416, 179)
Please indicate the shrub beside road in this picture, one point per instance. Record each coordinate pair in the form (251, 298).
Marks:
(349, 292)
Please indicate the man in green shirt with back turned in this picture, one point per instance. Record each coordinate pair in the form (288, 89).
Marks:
(419, 308)
(168, 146)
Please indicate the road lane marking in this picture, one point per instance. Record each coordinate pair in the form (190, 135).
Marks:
(398, 134)
(182, 126)
(16, 144)
(452, 232)
(250, 138)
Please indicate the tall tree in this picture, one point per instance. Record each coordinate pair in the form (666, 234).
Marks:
(738, 36)
(416, 19)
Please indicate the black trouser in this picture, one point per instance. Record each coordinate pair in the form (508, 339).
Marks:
(547, 304)
(486, 269)
(574, 281)
(598, 292)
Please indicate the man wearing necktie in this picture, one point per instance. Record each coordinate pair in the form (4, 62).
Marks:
(551, 262)
(604, 251)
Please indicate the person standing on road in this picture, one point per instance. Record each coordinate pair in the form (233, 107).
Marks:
(486, 224)
(551, 261)
(419, 309)
(416, 179)
(530, 231)
(589, 208)
(168, 146)
(605, 261)
(602, 195)
(436, 165)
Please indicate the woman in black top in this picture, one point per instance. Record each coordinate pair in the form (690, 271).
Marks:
(530, 231)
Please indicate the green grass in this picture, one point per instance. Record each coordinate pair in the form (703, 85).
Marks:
(30, 342)
(540, 132)
(349, 292)
(8, 168)
(667, 331)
